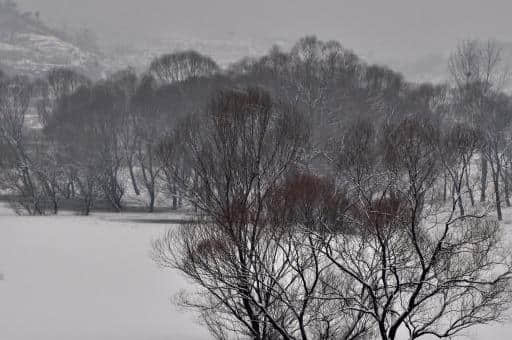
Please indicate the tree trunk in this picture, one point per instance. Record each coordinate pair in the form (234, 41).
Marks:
(151, 200)
(87, 206)
(133, 179)
(73, 190)
(496, 180)
(445, 188)
(458, 197)
(174, 202)
(55, 206)
(483, 180)
(506, 188)
(470, 190)
(86, 191)
(67, 192)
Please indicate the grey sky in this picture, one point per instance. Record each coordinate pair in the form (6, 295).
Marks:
(387, 28)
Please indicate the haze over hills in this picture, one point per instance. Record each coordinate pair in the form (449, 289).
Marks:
(28, 45)
(231, 30)
(385, 29)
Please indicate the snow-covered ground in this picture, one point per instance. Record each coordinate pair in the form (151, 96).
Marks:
(92, 278)
(87, 278)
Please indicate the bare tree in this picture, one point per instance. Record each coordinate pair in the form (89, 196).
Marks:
(318, 77)
(305, 206)
(416, 265)
(478, 71)
(458, 147)
(494, 141)
(243, 145)
(85, 128)
(175, 160)
(128, 81)
(181, 66)
(148, 129)
(423, 277)
(19, 175)
(59, 82)
(356, 159)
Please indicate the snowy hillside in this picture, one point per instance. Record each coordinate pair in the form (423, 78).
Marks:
(28, 46)
(34, 54)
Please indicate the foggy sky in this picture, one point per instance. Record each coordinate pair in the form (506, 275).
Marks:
(389, 28)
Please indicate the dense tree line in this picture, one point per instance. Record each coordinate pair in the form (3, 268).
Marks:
(334, 200)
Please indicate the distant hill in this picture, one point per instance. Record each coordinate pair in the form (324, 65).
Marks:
(28, 46)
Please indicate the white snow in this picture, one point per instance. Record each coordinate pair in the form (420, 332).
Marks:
(87, 278)
(92, 278)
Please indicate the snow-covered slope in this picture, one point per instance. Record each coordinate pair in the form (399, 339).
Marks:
(34, 54)
(29, 46)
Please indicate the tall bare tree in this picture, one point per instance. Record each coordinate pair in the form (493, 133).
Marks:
(148, 129)
(20, 174)
(239, 149)
(479, 71)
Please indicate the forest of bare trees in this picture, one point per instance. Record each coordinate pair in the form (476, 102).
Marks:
(332, 198)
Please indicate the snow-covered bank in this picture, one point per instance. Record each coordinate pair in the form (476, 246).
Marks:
(87, 278)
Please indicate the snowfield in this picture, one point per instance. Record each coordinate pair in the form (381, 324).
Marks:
(92, 278)
(87, 278)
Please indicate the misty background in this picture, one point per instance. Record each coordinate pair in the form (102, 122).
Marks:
(382, 31)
